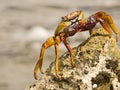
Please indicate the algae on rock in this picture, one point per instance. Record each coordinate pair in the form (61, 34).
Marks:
(97, 67)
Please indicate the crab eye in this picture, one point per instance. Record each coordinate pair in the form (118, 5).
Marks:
(64, 18)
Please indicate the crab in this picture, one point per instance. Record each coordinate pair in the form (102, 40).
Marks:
(71, 24)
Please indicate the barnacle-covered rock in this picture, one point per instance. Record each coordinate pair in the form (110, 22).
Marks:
(97, 67)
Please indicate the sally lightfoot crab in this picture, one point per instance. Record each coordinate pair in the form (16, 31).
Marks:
(70, 25)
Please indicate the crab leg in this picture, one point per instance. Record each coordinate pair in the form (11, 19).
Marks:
(112, 25)
(56, 59)
(70, 52)
(106, 27)
(107, 23)
(45, 45)
(57, 42)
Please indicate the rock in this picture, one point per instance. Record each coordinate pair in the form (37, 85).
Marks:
(97, 67)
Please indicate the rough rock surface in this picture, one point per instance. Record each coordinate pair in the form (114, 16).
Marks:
(97, 67)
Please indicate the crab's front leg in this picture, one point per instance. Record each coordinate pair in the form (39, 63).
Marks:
(49, 42)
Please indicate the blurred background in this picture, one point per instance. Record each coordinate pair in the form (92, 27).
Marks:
(26, 24)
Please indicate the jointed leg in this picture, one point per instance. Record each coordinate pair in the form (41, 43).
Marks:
(70, 52)
(39, 62)
(56, 60)
(57, 42)
(105, 26)
(47, 44)
(110, 22)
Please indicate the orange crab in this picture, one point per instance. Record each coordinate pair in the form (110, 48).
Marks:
(70, 25)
